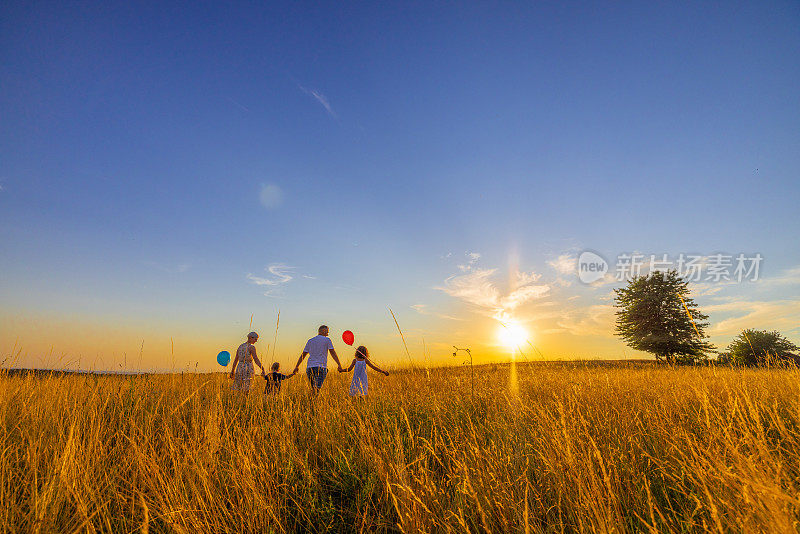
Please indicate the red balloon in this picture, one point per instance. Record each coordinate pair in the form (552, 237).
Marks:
(348, 337)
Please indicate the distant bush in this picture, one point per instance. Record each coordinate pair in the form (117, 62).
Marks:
(723, 358)
(760, 347)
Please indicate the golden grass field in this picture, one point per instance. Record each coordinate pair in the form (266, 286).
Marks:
(577, 447)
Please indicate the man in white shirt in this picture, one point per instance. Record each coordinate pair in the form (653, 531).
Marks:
(317, 349)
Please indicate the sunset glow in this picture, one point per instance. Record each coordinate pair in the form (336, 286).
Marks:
(167, 188)
(512, 335)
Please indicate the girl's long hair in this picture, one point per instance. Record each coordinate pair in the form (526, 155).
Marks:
(362, 353)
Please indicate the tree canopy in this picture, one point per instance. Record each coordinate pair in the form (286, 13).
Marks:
(653, 315)
(757, 347)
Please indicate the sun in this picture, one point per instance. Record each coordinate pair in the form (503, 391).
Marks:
(512, 335)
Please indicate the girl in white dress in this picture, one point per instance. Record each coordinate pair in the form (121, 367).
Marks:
(359, 385)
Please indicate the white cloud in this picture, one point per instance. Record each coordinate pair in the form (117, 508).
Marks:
(178, 268)
(280, 274)
(319, 97)
(787, 277)
(607, 278)
(709, 289)
(238, 105)
(525, 289)
(781, 315)
(594, 320)
(271, 196)
(424, 310)
(476, 287)
(472, 259)
(564, 264)
(563, 282)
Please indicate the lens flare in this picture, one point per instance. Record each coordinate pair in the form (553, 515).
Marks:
(512, 335)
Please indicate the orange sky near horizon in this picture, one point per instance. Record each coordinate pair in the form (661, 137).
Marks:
(42, 340)
(562, 319)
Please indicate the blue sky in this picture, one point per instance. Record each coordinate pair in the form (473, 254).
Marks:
(394, 141)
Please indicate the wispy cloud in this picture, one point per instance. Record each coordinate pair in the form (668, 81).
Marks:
(774, 315)
(524, 289)
(280, 274)
(237, 104)
(270, 196)
(476, 287)
(564, 264)
(174, 269)
(321, 98)
(472, 259)
(707, 289)
(424, 309)
(594, 320)
(607, 278)
(787, 277)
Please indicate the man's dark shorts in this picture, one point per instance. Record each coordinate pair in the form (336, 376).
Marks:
(316, 375)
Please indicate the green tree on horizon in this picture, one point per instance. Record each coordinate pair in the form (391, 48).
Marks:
(652, 317)
(757, 347)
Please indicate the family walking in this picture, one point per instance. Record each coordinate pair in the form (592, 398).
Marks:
(316, 349)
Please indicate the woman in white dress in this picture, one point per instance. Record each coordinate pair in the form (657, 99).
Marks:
(242, 371)
(360, 385)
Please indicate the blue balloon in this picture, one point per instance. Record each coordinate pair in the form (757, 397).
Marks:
(224, 358)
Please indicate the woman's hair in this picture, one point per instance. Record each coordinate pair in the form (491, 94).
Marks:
(275, 366)
(362, 353)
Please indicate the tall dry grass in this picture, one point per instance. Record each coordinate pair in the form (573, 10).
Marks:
(579, 448)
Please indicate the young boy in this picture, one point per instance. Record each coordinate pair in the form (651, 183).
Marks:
(274, 379)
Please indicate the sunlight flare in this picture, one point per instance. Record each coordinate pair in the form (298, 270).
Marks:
(512, 335)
